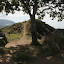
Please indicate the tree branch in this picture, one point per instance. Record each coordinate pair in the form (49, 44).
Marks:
(35, 7)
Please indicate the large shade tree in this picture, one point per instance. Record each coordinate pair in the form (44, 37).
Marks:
(34, 7)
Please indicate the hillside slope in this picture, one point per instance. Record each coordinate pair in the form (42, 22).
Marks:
(42, 28)
(15, 31)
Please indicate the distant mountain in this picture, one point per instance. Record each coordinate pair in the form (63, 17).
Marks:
(4, 23)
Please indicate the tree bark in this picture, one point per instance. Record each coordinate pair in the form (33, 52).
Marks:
(33, 24)
(33, 30)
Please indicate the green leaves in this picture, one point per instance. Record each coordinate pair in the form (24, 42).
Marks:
(29, 5)
(1, 8)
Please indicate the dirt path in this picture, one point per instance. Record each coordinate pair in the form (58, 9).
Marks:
(21, 41)
(24, 30)
(24, 40)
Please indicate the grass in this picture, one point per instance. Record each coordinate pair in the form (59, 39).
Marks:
(21, 56)
(12, 37)
(13, 32)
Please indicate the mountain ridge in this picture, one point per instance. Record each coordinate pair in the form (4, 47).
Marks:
(4, 23)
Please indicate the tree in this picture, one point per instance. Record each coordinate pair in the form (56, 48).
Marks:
(32, 7)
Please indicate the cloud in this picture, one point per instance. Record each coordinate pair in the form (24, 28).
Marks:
(16, 17)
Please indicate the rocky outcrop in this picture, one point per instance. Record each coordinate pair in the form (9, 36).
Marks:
(3, 39)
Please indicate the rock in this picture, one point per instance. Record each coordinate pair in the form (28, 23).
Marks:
(3, 39)
(20, 63)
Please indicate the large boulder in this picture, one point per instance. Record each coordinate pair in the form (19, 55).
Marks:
(3, 39)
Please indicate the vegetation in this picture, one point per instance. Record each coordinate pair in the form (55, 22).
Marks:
(33, 8)
(26, 53)
(42, 28)
(1, 51)
(14, 29)
(13, 37)
(22, 55)
(4, 50)
(54, 43)
(3, 39)
(28, 27)
(13, 32)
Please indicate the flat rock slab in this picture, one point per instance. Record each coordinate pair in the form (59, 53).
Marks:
(1, 38)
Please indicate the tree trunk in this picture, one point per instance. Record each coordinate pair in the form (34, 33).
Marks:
(33, 30)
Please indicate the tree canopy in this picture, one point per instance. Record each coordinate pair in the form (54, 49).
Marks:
(56, 7)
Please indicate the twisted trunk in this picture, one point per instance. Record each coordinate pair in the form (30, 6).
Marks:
(33, 30)
(33, 24)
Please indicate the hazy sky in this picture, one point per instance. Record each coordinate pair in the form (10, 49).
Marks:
(20, 16)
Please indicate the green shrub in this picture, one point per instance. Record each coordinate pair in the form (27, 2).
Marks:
(21, 56)
(14, 29)
(54, 43)
(26, 53)
(4, 51)
(1, 51)
(12, 37)
(28, 27)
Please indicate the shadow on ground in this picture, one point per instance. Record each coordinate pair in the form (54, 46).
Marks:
(7, 58)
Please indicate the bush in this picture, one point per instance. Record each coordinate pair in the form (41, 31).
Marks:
(1, 51)
(54, 43)
(4, 51)
(12, 37)
(23, 55)
(28, 28)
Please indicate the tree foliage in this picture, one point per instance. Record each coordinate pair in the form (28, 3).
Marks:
(56, 7)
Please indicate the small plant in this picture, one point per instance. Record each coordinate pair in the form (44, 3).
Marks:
(4, 51)
(1, 51)
(12, 37)
(21, 56)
